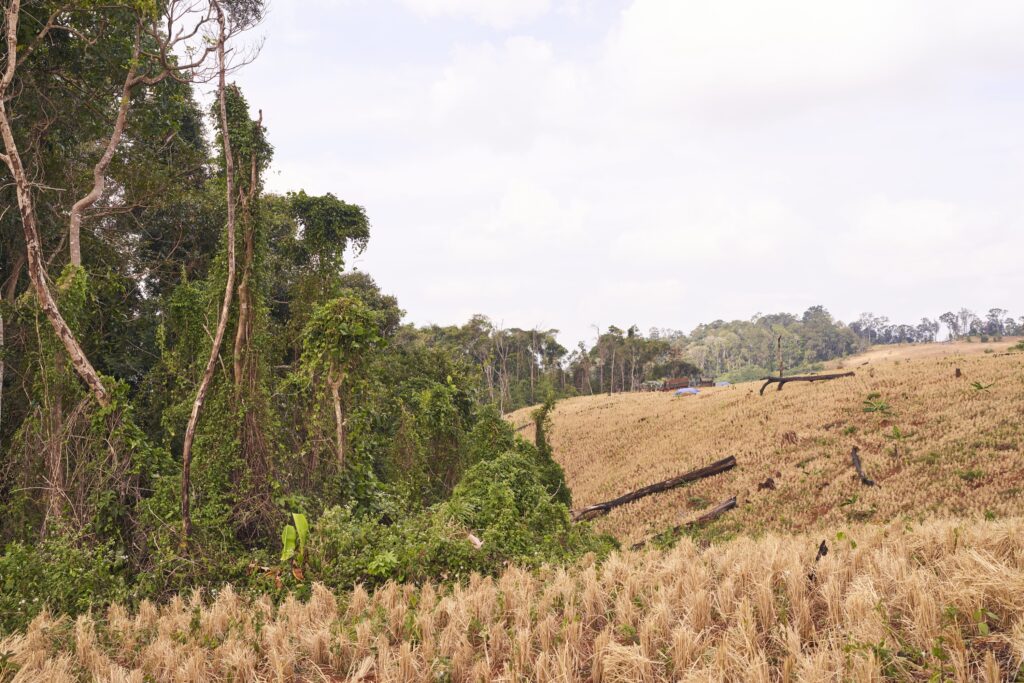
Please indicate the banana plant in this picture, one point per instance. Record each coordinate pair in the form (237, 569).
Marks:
(293, 540)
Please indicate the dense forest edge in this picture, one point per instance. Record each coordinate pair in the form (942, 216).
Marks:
(197, 391)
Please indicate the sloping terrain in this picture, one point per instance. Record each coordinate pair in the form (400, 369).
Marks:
(940, 602)
(920, 577)
(934, 443)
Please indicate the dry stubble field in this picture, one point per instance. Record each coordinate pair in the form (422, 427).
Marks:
(934, 444)
(924, 579)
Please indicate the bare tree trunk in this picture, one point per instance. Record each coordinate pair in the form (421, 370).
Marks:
(801, 378)
(598, 509)
(10, 286)
(23, 189)
(611, 375)
(339, 417)
(3, 370)
(243, 333)
(99, 171)
(225, 309)
(55, 488)
(781, 368)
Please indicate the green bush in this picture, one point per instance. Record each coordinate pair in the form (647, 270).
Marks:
(61, 573)
(503, 501)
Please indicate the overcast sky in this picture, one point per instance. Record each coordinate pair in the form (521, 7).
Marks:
(565, 163)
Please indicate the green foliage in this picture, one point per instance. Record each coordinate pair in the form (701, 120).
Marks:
(970, 475)
(329, 226)
(875, 404)
(293, 539)
(338, 333)
(64, 572)
(503, 501)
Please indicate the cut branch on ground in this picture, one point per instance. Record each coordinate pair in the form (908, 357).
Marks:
(709, 516)
(855, 457)
(800, 378)
(599, 509)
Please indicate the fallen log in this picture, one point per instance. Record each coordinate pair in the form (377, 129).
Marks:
(599, 509)
(713, 514)
(800, 378)
(709, 516)
(855, 457)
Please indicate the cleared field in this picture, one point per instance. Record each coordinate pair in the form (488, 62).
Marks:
(885, 352)
(935, 444)
(943, 601)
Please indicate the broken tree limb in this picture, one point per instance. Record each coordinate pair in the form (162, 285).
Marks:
(855, 457)
(709, 516)
(800, 378)
(599, 509)
(714, 513)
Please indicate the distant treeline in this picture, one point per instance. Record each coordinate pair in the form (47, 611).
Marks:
(518, 367)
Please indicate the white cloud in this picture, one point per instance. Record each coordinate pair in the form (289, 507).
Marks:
(691, 160)
(496, 13)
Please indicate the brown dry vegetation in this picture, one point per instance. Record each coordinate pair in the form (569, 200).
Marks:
(942, 601)
(956, 451)
(917, 584)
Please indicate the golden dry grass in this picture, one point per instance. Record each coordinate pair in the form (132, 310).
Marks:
(957, 448)
(884, 352)
(942, 601)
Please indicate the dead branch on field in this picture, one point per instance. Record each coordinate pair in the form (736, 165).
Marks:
(855, 457)
(709, 516)
(599, 509)
(800, 378)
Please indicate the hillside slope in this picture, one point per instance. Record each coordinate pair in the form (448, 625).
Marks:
(933, 443)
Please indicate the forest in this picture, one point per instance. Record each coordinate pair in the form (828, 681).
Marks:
(197, 390)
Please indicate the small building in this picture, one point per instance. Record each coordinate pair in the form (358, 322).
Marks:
(674, 383)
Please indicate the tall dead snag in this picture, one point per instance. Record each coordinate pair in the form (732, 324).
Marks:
(709, 516)
(800, 378)
(229, 288)
(598, 509)
(855, 458)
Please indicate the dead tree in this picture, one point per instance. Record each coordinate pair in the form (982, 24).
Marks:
(855, 457)
(709, 516)
(800, 378)
(599, 509)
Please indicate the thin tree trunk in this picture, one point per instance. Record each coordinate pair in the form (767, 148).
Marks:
(54, 463)
(611, 375)
(99, 171)
(10, 286)
(243, 333)
(3, 370)
(225, 309)
(339, 418)
(37, 274)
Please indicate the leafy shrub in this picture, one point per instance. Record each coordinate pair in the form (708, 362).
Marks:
(503, 501)
(59, 572)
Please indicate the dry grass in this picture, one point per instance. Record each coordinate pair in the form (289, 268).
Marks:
(956, 451)
(945, 599)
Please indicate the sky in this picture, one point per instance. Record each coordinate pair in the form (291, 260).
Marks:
(571, 163)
